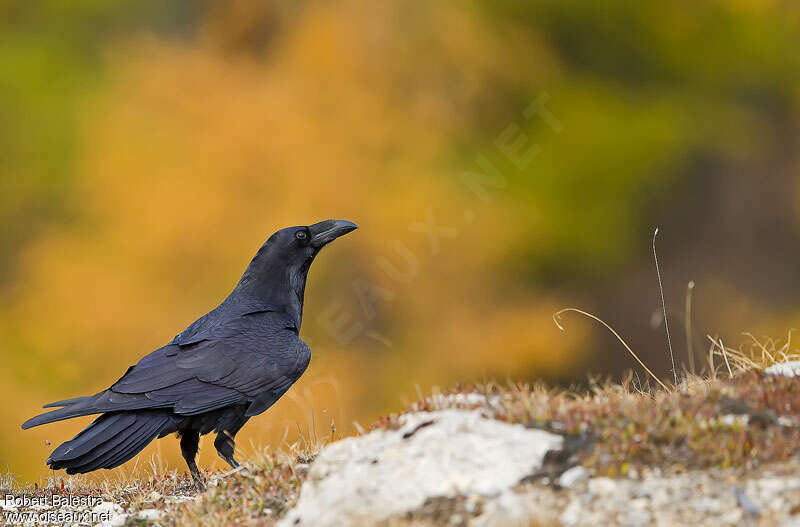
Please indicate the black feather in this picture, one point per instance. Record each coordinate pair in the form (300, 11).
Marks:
(227, 366)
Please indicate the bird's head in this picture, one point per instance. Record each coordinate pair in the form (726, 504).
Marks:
(277, 274)
(297, 245)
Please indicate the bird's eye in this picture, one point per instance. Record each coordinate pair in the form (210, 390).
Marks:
(301, 235)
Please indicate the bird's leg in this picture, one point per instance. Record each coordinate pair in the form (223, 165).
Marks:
(224, 444)
(190, 440)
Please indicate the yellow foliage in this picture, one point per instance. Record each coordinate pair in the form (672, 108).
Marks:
(191, 157)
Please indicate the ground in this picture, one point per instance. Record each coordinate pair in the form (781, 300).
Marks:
(720, 450)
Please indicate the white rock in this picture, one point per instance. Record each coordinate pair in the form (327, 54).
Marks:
(731, 517)
(107, 506)
(367, 479)
(509, 508)
(792, 521)
(734, 420)
(636, 518)
(466, 399)
(179, 498)
(701, 498)
(472, 503)
(150, 514)
(573, 477)
(602, 486)
(642, 490)
(117, 520)
(573, 513)
(705, 505)
(787, 369)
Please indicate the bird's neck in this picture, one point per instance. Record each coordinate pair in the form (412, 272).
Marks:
(274, 285)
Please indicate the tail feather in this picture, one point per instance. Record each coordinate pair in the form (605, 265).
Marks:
(90, 437)
(68, 402)
(117, 450)
(111, 440)
(124, 451)
(103, 402)
(94, 458)
(72, 408)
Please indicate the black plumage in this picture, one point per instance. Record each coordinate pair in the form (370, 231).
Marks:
(229, 365)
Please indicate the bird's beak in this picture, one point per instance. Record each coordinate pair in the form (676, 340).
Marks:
(325, 232)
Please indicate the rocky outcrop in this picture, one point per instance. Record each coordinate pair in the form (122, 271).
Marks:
(450, 458)
(460, 468)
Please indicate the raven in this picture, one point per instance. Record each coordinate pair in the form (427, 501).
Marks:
(229, 365)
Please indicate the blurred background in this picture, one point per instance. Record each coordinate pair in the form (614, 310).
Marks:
(504, 159)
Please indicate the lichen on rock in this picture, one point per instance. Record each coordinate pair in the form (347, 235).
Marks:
(432, 455)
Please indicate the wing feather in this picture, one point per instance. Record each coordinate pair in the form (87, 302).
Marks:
(250, 358)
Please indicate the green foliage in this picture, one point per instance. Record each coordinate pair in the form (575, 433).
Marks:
(50, 61)
(642, 90)
(180, 134)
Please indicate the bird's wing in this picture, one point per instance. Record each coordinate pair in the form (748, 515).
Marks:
(251, 359)
(206, 326)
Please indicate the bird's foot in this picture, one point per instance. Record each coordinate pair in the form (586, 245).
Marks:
(199, 484)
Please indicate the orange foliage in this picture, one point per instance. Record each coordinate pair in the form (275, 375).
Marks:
(191, 157)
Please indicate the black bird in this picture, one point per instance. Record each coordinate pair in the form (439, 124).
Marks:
(229, 365)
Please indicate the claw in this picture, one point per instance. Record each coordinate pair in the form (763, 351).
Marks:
(199, 483)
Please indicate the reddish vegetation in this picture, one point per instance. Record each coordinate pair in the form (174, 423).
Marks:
(741, 422)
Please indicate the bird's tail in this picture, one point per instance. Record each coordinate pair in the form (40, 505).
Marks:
(104, 402)
(72, 408)
(111, 440)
